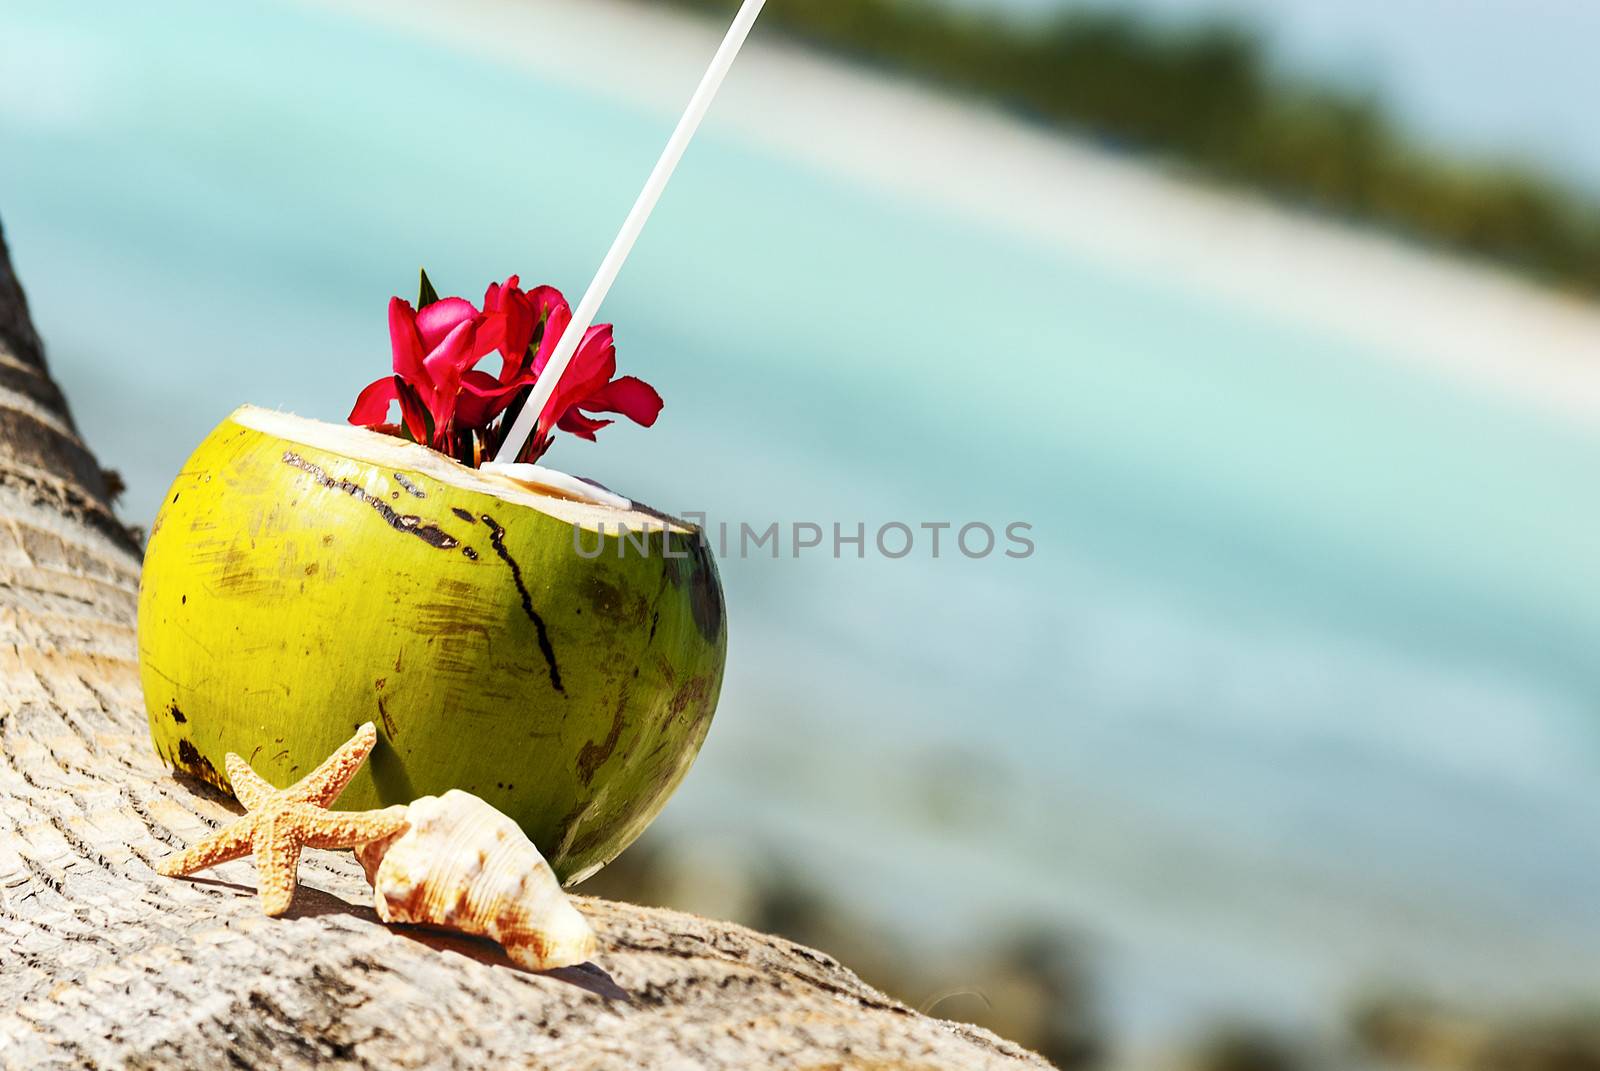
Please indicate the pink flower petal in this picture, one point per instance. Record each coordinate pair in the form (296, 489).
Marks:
(496, 293)
(442, 317)
(508, 325)
(592, 368)
(412, 410)
(582, 426)
(405, 342)
(453, 354)
(557, 315)
(372, 404)
(630, 396)
(445, 366)
(484, 397)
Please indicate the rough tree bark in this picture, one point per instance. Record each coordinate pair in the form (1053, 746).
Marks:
(105, 964)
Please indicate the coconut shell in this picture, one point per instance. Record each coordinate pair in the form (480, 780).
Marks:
(303, 578)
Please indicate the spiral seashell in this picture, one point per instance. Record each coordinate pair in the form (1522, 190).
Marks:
(463, 865)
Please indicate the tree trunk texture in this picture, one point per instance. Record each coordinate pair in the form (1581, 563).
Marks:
(105, 964)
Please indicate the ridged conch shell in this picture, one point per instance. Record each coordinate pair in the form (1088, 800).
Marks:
(465, 866)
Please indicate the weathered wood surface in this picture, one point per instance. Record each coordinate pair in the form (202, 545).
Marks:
(105, 964)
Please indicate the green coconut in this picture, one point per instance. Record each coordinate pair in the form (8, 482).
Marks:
(558, 654)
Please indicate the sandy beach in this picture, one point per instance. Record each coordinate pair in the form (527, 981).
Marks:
(1465, 320)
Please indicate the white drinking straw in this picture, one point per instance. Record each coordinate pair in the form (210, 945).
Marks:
(589, 307)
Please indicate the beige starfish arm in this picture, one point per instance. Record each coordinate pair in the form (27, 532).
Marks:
(351, 829)
(249, 787)
(230, 842)
(277, 851)
(322, 786)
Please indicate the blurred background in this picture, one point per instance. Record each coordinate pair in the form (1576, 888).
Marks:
(1274, 319)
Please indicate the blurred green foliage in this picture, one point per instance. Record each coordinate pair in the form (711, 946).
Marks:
(1206, 95)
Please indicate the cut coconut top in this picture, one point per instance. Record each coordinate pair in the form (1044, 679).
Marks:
(567, 498)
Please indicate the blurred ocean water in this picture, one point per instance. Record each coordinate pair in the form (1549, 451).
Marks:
(1298, 689)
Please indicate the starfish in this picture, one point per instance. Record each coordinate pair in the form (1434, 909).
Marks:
(280, 822)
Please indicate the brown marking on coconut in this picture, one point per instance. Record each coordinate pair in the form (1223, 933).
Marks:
(595, 753)
(191, 762)
(694, 690)
(701, 725)
(409, 523)
(567, 828)
(383, 712)
(604, 598)
(696, 693)
(175, 714)
(691, 563)
(411, 488)
(637, 807)
(238, 575)
(497, 539)
(668, 771)
(587, 841)
(455, 622)
(447, 618)
(705, 594)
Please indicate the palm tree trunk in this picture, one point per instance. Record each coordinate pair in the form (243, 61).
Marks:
(105, 964)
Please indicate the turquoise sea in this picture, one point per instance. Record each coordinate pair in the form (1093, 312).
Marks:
(1298, 691)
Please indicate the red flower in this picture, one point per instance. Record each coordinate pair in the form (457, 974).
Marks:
(450, 405)
(431, 349)
(588, 384)
(512, 320)
(591, 383)
(509, 321)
